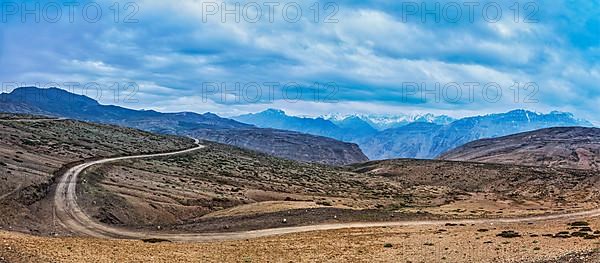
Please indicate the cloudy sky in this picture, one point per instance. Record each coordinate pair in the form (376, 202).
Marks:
(311, 57)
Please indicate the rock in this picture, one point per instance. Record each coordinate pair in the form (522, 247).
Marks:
(155, 240)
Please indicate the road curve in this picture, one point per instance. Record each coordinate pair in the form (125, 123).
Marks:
(72, 217)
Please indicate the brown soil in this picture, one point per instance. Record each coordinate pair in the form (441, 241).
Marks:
(33, 151)
(430, 244)
(181, 192)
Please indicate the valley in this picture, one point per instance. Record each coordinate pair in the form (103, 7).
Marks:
(290, 132)
(237, 197)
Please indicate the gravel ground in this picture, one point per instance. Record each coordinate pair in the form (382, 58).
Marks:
(472, 243)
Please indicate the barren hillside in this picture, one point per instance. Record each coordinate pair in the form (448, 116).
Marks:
(570, 147)
(33, 150)
(223, 188)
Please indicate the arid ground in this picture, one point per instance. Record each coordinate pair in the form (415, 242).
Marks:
(250, 207)
(535, 242)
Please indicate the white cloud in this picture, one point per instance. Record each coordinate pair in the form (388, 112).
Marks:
(370, 52)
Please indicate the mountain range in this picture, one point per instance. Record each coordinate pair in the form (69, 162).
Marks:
(348, 129)
(388, 121)
(333, 139)
(286, 144)
(424, 138)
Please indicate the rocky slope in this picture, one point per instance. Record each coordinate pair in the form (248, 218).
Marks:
(248, 190)
(567, 147)
(32, 153)
(286, 144)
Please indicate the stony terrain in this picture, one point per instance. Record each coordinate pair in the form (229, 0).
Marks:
(568, 147)
(32, 153)
(223, 188)
(183, 189)
(542, 242)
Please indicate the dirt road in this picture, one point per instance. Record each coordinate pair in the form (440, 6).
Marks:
(72, 217)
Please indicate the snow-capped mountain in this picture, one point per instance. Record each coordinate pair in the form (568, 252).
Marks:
(430, 140)
(387, 121)
(412, 136)
(347, 129)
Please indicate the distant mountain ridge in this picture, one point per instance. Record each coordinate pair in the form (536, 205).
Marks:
(58, 102)
(423, 137)
(387, 121)
(437, 139)
(286, 144)
(345, 130)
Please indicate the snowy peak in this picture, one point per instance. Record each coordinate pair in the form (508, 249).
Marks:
(388, 121)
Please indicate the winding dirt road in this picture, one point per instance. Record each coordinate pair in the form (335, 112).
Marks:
(72, 217)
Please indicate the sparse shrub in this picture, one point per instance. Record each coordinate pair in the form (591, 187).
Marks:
(388, 245)
(509, 234)
(585, 229)
(324, 203)
(579, 234)
(579, 223)
(562, 234)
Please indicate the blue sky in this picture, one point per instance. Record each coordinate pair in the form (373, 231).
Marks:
(366, 60)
